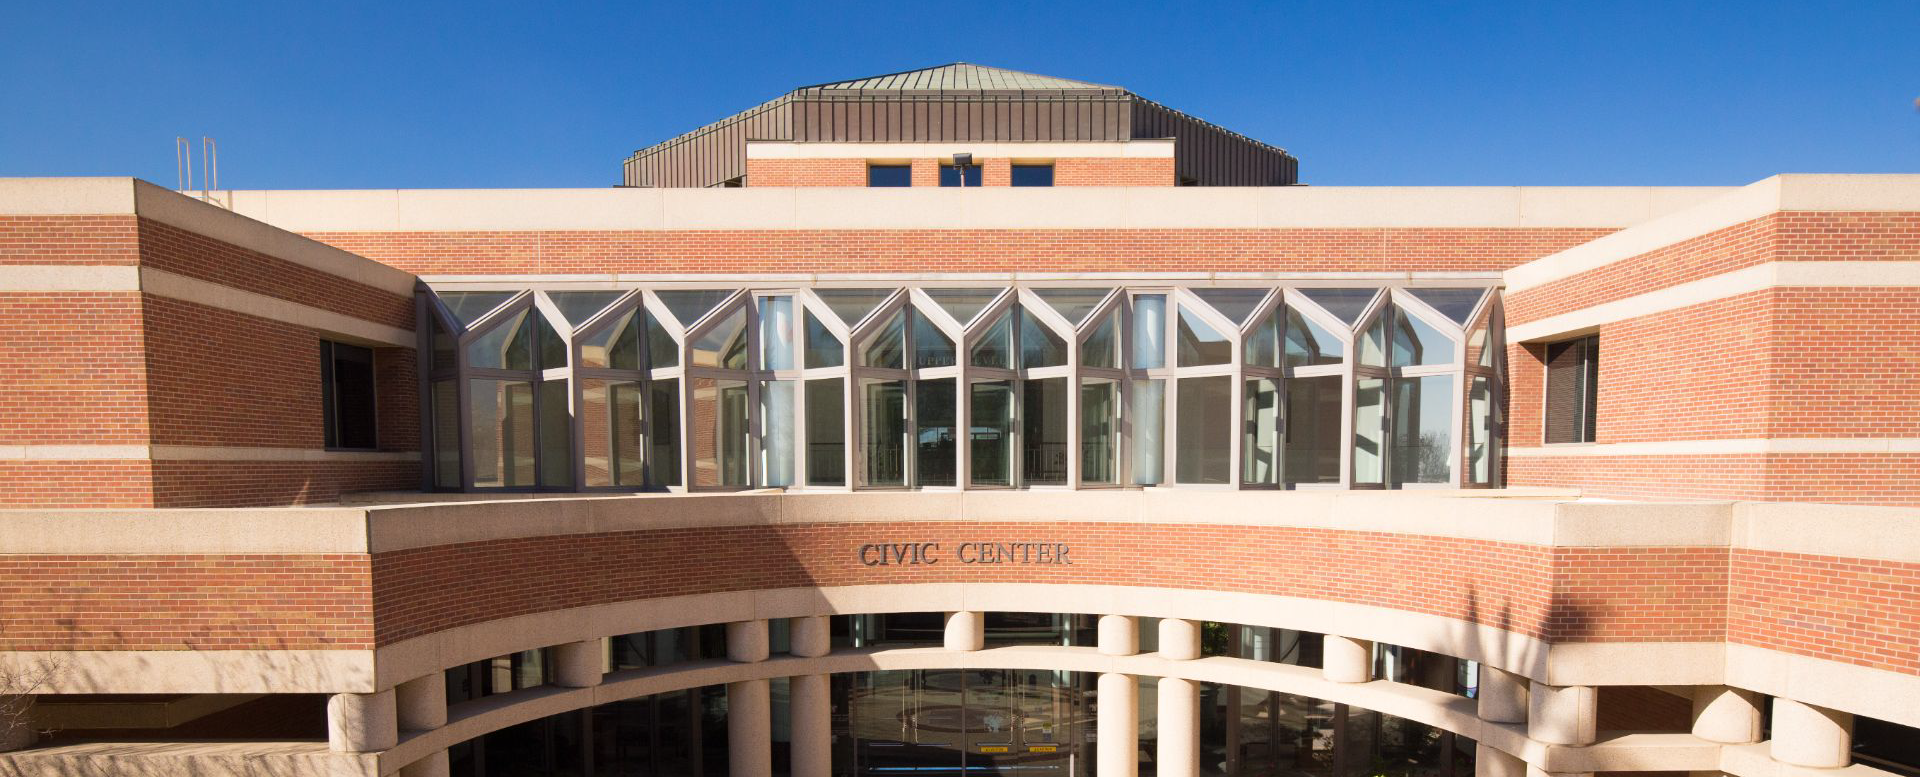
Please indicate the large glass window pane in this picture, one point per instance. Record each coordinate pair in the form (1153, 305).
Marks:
(1480, 430)
(823, 347)
(889, 175)
(777, 432)
(719, 433)
(1100, 431)
(1344, 304)
(1310, 344)
(955, 175)
(1369, 431)
(610, 425)
(995, 347)
(963, 304)
(1313, 429)
(556, 435)
(1456, 304)
(446, 433)
(1373, 342)
(578, 306)
(1263, 343)
(500, 433)
(931, 347)
(1423, 429)
(1201, 344)
(1149, 331)
(1043, 427)
(826, 432)
(507, 346)
(553, 349)
(468, 306)
(1415, 343)
(663, 432)
(888, 347)
(615, 346)
(1149, 431)
(1101, 349)
(776, 333)
(724, 345)
(991, 462)
(1202, 430)
(852, 305)
(688, 306)
(444, 350)
(935, 445)
(884, 424)
(1260, 443)
(1073, 304)
(1039, 346)
(1235, 304)
(662, 349)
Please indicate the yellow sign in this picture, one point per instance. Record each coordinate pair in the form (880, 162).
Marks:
(993, 748)
(1043, 748)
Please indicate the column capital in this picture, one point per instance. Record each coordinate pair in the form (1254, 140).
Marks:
(966, 630)
(747, 641)
(1346, 660)
(1119, 635)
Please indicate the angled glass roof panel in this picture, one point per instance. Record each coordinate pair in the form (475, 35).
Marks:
(1456, 304)
(468, 306)
(1344, 304)
(1235, 304)
(964, 304)
(578, 306)
(852, 305)
(1072, 304)
(688, 305)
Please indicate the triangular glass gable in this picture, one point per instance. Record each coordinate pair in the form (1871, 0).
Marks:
(1344, 304)
(1235, 304)
(468, 306)
(1456, 304)
(1072, 304)
(688, 305)
(852, 305)
(578, 306)
(964, 304)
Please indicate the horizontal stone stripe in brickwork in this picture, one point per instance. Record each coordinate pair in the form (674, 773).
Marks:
(1639, 594)
(1025, 250)
(178, 251)
(274, 483)
(1093, 171)
(425, 590)
(277, 602)
(73, 240)
(1858, 611)
(1779, 237)
(1888, 479)
(94, 483)
(806, 172)
(72, 369)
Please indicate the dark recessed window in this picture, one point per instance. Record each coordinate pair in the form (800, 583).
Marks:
(950, 175)
(889, 175)
(1573, 368)
(1032, 175)
(346, 395)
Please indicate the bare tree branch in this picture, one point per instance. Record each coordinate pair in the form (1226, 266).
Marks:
(19, 683)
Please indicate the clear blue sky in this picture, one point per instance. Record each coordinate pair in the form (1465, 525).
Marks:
(406, 94)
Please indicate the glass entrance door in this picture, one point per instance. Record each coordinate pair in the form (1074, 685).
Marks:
(968, 722)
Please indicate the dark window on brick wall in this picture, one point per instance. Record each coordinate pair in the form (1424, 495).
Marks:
(889, 175)
(1032, 175)
(1573, 368)
(346, 394)
(952, 175)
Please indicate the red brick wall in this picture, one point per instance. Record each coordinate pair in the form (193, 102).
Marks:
(806, 172)
(1639, 594)
(70, 240)
(1091, 171)
(178, 251)
(1857, 611)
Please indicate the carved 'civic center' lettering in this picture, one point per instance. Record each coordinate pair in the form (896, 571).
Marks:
(887, 554)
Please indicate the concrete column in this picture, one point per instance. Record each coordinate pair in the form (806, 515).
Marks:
(966, 631)
(16, 729)
(1119, 635)
(812, 702)
(1179, 639)
(1346, 660)
(1503, 696)
(431, 766)
(1727, 715)
(1494, 762)
(362, 722)
(422, 702)
(1178, 749)
(747, 641)
(749, 729)
(1805, 735)
(1119, 726)
(1562, 714)
(579, 664)
(809, 637)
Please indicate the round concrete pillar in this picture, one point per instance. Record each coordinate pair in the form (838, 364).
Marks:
(1805, 735)
(1179, 639)
(362, 722)
(16, 723)
(580, 664)
(422, 702)
(747, 641)
(1494, 762)
(1727, 715)
(809, 637)
(812, 718)
(1562, 714)
(1346, 660)
(1119, 726)
(1119, 635)
(1503, 696)
(966, 631)
(749, 729)
(1177, 752)
(435, 765)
